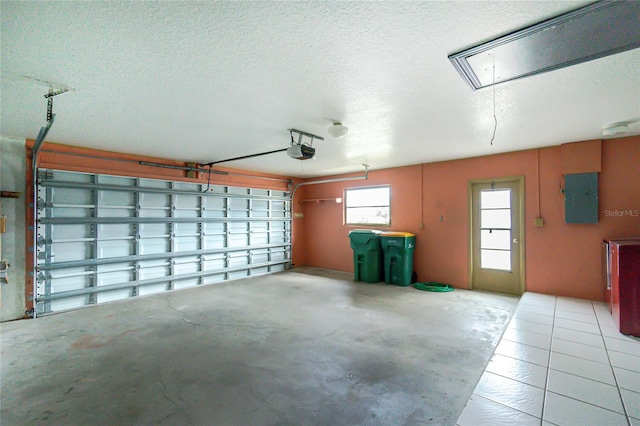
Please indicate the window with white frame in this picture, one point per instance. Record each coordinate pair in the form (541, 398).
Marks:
(368, 206)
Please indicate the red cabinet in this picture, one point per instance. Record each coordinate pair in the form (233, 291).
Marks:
(622, 258)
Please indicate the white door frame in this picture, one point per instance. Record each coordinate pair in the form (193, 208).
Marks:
(521, 237)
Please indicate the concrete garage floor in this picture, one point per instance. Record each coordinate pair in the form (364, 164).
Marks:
(302, 347)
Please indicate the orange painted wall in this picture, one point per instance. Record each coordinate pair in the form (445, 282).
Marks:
(562, 259)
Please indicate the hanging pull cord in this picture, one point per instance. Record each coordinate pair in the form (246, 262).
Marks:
(495, 119)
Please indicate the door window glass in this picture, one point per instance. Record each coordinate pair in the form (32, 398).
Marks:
(495, 229)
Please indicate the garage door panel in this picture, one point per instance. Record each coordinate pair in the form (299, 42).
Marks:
(116, 203)
(72, 196)
(115, 248)
(114, 274)
(116, 180)
(149, 272)
(239, 258)
(116, 198)
(214, 204)
(154, 212)
(153, 200)
(154, 245)
(69, 251)
(278, 236)
(259, 238)
(181, 284)
(278, 255)
(113, 295)
(116, 230)
(186, 186)
(70, 232)
(103, 238)
(186, 243)
(152, 289)
(277, 268)
(238, 240)
(236, 190)
(238, 275)
(154, 204)
(186, 213)
(60, 283)
(260, 206)
(116, 211)
(210, 213)
(67, 303)
(260, 271)
(188, 201)
(214, 264)
(154, 183)
(186, 229)
(238, 213)
(214, 279)
(214, 241)
(153, 230)
(78, 211)
(261, 256)
(186, 265)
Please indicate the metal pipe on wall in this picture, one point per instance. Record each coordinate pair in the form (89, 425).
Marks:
(317, 182)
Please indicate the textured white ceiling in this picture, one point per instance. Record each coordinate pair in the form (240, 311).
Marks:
(204, 81)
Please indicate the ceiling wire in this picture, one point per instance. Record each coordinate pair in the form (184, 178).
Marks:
(495, 119)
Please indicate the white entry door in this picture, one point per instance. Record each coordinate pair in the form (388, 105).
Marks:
(497, 234)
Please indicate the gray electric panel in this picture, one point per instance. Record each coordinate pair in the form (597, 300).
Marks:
(581, 198)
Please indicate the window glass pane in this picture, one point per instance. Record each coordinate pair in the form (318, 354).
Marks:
(368, 215)
(495, 239)
(500, 218)
(367, 197)
(495, 199)
(368, 206)
(495, 259)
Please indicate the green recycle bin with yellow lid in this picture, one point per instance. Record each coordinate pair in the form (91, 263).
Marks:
(397, 250)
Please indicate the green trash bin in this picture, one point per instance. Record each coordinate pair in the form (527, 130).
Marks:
(367, 255)
(397, 248)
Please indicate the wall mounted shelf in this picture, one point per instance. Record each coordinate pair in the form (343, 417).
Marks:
(337, 200)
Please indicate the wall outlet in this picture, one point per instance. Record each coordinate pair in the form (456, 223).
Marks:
(422, 226)
(538, 222)
(298, 215)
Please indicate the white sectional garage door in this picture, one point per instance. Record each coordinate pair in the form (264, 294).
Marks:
(102, 238)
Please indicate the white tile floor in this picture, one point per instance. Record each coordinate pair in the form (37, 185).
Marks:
(561, 361)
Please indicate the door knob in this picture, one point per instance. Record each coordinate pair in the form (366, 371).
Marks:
(516, 241)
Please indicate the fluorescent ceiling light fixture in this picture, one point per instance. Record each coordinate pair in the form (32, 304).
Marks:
(338, 130)
(591, 32)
